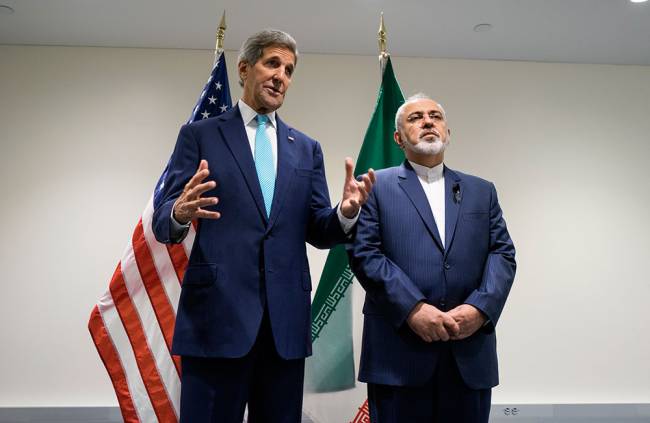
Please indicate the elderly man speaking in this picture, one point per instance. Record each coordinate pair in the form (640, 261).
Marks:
(257, 187)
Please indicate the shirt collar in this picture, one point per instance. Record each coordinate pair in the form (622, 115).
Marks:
(429, 174)
(248, 114)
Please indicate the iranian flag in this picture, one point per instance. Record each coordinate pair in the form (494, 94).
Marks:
(331, 368)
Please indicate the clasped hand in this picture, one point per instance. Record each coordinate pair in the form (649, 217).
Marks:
(432, 324)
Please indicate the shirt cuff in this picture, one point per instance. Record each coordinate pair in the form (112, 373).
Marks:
(177, 230)
(346, 223)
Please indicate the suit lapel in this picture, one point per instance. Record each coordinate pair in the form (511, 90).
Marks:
(409, 182)
(453, 201)
(234, 134)
(285, 172)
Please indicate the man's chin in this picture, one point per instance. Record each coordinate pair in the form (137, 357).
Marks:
(273, 103)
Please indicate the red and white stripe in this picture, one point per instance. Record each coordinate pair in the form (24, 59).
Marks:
(132, 325)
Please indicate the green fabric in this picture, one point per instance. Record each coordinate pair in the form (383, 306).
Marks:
(331, 368)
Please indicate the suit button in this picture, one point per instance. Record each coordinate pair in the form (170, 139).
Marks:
(261, 270)
(447, 266)
(442, 303)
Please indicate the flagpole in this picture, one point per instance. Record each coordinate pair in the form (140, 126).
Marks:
(221, 32)
(382, 39)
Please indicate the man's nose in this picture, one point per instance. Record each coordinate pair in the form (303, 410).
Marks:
(279, 76)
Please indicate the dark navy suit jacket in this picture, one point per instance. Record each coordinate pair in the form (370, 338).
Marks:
(246, 261)
(399, 259)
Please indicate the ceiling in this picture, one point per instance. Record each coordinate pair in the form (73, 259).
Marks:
(575, 31)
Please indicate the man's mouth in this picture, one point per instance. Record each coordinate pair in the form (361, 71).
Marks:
(427, 134)
(274, 91)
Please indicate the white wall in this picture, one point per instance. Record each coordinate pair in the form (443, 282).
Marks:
(85, 132)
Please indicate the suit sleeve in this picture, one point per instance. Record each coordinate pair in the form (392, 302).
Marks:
(324, 230)
(182, 166)
(500, 266)
(386, 285)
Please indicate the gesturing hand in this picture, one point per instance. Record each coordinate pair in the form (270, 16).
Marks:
(355, 193)
(189, 205)
(431, 324)
(469, 320)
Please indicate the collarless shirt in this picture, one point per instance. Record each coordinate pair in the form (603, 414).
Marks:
(250, 123)
(432, 180)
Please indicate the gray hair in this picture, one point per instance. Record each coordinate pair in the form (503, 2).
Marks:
(412, 99)
(254, 46)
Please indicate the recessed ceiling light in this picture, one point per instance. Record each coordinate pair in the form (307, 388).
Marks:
(484, 27)
(638, 1)
(6, 10)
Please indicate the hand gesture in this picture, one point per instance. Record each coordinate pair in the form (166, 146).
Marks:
(189, 205)
(355, 193)
(431, 324)
(469, 320)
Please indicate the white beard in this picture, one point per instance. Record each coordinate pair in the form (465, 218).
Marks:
(427, 148)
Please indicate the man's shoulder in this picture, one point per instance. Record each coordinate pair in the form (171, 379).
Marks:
(295, 134)
(468, 178)
(387, 173)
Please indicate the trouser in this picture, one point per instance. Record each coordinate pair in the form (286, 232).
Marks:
(217, 390)
(443, 399)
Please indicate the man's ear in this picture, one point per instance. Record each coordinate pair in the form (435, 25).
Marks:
(242, 68)
(398, 139)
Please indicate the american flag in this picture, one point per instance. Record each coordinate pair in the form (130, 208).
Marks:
(132, 324)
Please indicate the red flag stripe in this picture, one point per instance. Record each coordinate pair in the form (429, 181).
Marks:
(111, 360)
(149, 324)
(188, 242)
(146, 364)
(165, 314)
(120, 339)
(177, 255)
(165, 267)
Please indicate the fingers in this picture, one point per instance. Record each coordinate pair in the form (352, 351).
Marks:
(197, 190)
(201, 202)
(201, 173)
(426, 337)
(441, 333)
(349, 169)
(205, 214)
(202, 165)
(371, 175)
(367, 184)
(451, 326)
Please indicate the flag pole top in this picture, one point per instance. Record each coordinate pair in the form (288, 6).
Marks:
(381, 38)
(221, 31)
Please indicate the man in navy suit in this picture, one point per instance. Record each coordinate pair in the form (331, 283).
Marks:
(243, 322)
(433, 253)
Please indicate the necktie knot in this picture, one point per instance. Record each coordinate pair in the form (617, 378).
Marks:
(262, 119)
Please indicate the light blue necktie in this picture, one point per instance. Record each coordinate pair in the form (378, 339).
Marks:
(264, 162)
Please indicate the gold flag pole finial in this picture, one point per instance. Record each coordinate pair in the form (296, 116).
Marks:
(381, 36)
(221, 31)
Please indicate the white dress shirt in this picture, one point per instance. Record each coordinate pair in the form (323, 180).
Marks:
(432, 180)
(250, 123)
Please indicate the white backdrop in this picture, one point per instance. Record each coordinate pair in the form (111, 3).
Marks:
(85, 133)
